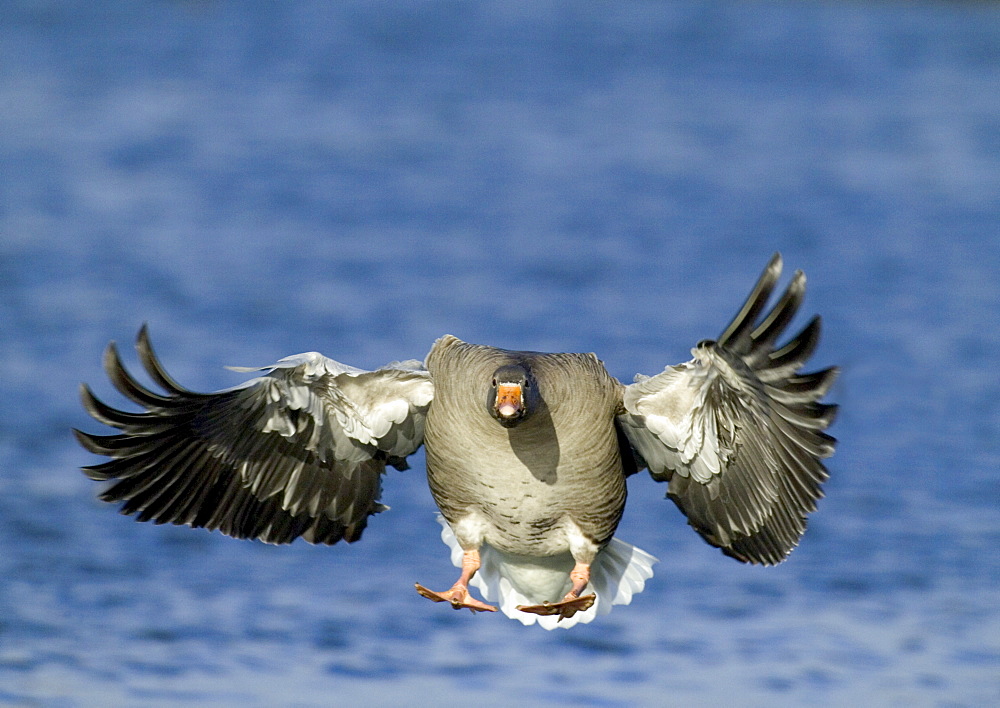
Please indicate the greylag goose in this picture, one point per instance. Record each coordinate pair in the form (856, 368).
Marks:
(527, 454)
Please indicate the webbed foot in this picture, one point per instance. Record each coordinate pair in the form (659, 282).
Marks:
(458, 596)
(567, 607)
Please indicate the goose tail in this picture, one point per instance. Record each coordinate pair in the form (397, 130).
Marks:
(619, 572)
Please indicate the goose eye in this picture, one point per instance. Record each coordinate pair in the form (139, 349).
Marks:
(494, 383)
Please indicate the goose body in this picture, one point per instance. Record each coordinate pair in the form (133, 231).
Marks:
(542, 494)
(526, 489)
(527, 455)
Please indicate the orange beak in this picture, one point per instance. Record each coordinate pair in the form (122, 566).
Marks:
(510, 401)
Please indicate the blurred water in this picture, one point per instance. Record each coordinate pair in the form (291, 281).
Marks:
(257, 179)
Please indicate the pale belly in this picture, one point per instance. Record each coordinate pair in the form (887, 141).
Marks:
(515, 510)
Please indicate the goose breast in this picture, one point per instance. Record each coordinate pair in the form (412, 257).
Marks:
(528, 486)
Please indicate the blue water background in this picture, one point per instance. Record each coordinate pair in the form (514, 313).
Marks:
(256, 179)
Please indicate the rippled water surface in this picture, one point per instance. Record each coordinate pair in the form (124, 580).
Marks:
(257, 179)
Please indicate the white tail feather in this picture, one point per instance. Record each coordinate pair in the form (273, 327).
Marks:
(619, 572)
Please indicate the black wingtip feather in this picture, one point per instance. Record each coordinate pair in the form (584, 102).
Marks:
(128, 386)
(97, 444)
(810, 386)
(802, 344)
(735, 335)
(151, 363)
(774, 323)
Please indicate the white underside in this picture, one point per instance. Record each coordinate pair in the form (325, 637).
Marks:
(619, 572)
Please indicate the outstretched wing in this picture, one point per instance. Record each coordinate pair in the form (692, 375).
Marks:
(296, 452)
(737, 432)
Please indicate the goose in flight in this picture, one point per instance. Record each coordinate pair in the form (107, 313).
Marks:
(527, 454)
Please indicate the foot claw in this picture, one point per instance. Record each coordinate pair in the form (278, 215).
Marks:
(565, 608)
(458, 597)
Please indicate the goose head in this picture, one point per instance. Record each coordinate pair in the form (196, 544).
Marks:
(512, 395)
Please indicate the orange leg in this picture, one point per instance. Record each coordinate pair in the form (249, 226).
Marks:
(580, 575)
(458, 595)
